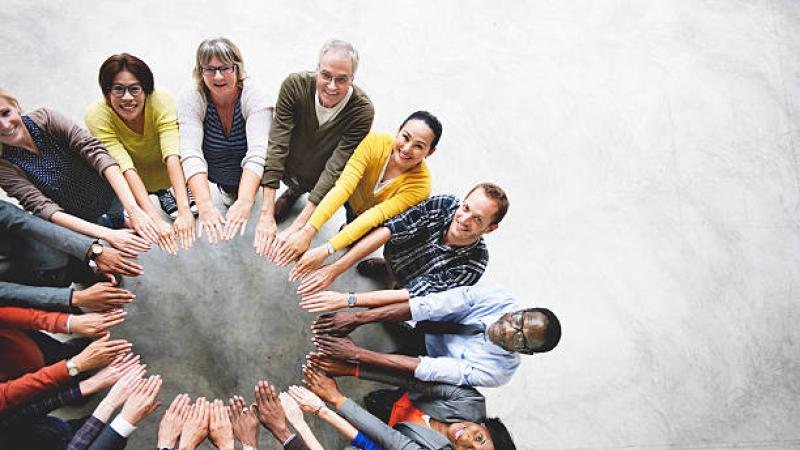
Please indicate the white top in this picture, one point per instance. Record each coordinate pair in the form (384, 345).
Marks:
(327, 114)
(257, 109)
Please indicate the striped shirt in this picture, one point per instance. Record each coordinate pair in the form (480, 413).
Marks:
(224, 154)
(420, 261)
(62, 175)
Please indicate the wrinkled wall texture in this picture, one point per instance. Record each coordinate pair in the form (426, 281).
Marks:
(650, 151)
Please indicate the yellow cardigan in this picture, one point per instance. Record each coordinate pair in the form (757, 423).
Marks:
(144, 152)
(357, 183)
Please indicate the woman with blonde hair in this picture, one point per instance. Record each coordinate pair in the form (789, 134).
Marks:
(59, 172)
(224, 123)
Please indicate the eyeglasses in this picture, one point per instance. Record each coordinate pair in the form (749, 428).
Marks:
(223, 70)
(338, 81)
(118, 90)
(517, 322)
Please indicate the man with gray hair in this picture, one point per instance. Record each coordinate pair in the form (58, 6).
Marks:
(320, 118)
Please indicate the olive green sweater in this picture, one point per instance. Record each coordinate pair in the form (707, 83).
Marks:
(305, 153)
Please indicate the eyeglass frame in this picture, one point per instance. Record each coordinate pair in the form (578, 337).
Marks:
(340, 81)
(223, 70)
(119, 90)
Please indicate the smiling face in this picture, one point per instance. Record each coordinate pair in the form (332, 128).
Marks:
(12, 130)
(220, 78)
(472, 219)
(130, 105)
(412, 145)
(334, 77)
(519, 331)
(469, 436)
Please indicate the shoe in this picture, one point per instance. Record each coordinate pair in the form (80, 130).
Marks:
(374, 268)
(192, 204)
(227, 198)
(284, 204)
(168, 203)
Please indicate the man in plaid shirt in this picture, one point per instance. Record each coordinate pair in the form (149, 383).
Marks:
(435, 246)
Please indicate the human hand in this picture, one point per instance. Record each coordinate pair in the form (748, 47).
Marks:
(236, 218)
(308, 401)
(143, 224)
(96, 323)
(142, 401)
(244, 421)
(184, 228)
(337, 347)
(323, 386)
(293, 412)
(111, 261)
(123, 388)
(330, 366)
(102, 296)
(266, 229)
(340, 323)
(110, 374)
(325, 301)
(270, 412)
(295, 245)
(211, 221)
(195, 429)
(308, 262)
(166, 237)
(317, 281)
(100, 353)
(220, 430)
(126, 241)
(171, 424)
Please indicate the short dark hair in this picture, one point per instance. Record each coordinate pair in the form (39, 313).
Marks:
(124, 61)
(552, 334)
(497, 194)
(430, 120)
(501, 438)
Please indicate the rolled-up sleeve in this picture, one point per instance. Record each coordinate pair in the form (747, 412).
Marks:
(458, 372)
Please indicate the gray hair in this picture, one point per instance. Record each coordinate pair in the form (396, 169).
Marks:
(340, 46)
(224, 50)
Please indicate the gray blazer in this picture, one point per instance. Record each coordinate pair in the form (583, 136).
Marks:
(443, 402)
(28, 243)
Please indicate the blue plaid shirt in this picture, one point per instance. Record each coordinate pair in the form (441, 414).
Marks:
(40, 406)
(418, 259)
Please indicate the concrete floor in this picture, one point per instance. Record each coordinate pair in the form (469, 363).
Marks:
(650, 151)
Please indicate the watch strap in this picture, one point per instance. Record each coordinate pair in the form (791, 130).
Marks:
(351, 299)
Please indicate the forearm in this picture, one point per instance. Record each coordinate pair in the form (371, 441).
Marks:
(178, 181)
(308, 436)
(120, 187)
(395, 312)
(376, 299)
(79, 225)
(268, 201)
(198, 184)
(402, 363)
(371, 242)
(140, 194)
(302, 219)
(339, 423)
(104, 411)
(248, 186)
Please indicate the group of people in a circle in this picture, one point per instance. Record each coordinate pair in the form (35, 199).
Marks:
(89, 195)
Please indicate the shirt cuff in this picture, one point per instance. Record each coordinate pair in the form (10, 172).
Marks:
(289, 439)
(418, 309)
(122, 427)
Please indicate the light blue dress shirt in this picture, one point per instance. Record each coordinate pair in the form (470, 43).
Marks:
(471, 360)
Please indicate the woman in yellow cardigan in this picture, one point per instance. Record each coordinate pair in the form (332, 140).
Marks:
(384, 177)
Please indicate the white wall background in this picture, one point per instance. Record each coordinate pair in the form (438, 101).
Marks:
(650, 150)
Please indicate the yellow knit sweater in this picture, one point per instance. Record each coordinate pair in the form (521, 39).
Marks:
(357, 183)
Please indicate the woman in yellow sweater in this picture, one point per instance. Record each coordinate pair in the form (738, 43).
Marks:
(384, 177)
(138, 125)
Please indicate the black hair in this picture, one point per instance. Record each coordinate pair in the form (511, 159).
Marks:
(552, 334)
(430, 120)
(501, 438)
(124, 61)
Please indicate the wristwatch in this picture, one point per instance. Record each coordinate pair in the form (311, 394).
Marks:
(351, 299)
(95, 251)
(72, 369)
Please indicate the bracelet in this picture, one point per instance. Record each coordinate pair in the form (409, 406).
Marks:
(358, 368)
(329, 248)
(69, 320)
